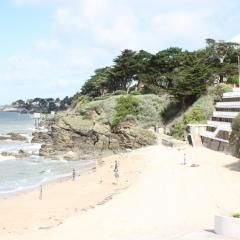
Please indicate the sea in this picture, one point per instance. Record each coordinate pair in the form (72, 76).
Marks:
(31, 172)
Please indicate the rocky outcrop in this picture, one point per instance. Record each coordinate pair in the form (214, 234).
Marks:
(20, 154)
(13, 137)
(72, 136)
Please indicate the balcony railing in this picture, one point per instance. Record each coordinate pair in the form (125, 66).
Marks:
(236, 89)
(221, 125)
(231, 94)
(225, 114)
(211, 135)
(228, 104)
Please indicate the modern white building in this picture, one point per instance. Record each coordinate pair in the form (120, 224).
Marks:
(218, 129)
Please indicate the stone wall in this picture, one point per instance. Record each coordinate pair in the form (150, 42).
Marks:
(217, 145)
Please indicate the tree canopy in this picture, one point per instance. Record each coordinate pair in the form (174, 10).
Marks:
(184, 74)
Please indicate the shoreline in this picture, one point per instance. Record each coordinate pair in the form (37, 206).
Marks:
(96, 183)
(67, 177)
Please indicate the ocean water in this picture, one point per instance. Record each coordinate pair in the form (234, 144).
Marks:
(27, 173)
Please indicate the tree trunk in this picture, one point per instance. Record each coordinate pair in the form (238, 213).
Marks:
(184, 106)
(221, 78)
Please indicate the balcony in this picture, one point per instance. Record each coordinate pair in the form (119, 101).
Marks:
(220, 125)
(236, 89)
(228, 105)
(225, 114)
(231, 94)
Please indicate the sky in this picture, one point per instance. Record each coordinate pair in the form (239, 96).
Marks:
(49, 48)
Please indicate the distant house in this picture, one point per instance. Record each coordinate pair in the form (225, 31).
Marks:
(35, 103)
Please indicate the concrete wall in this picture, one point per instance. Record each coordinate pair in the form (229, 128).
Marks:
(196, 130)
(227, 226)
(219, 146)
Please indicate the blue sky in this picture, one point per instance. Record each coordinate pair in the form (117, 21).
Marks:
(50, 47)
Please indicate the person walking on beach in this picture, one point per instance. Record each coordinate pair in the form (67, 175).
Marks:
(116, 172)
(40, 192)
(184, 159)
(73, 175)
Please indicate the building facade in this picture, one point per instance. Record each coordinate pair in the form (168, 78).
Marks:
(218, 129)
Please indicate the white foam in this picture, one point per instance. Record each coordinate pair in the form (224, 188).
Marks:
(6, 158)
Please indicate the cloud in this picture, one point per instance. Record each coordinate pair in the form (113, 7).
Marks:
(135, 24)
(24, 68)
(236, 38)
(62, 83)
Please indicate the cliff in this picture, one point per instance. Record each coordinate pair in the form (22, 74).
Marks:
(104, 126)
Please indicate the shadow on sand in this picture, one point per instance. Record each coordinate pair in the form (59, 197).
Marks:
(234, 166)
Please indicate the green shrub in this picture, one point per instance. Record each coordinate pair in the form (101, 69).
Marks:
(120, 92)
(135, 92)
(236, 215)
(235, 135)
(131, 118)
(234, 79)
(236, 125)
(199, 112)
(103, 97)
(126, 105)
(218, 91)
(103, 108)
(151, 109)
(232, 139)
(178, 130)
(80, 101)
(196, 115)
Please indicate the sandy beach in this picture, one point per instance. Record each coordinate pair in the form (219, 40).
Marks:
(157, 197)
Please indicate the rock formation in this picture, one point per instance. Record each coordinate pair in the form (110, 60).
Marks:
(74, 134)
(13, 136)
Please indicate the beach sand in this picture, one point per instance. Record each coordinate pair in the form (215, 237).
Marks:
(157, 197)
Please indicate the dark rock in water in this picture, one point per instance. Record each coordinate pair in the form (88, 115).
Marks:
(3, 138)
(7, 154)
(20, 154)
(16, 137)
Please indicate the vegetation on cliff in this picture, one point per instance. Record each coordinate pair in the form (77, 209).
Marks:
(235, 135)
(126, 106)
(118, 104)
(186, 75)
(199, 112)
(183, 79)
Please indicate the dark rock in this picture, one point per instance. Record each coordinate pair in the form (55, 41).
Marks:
(16, 137)
(3, 138)
(22, 154)
(7, 154)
